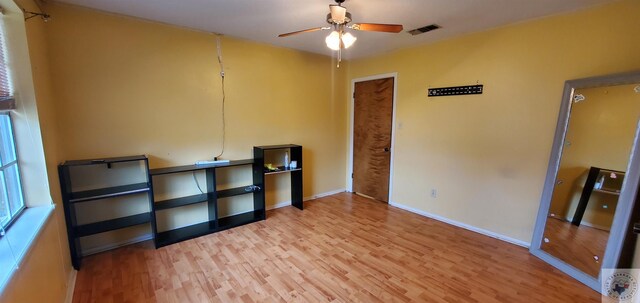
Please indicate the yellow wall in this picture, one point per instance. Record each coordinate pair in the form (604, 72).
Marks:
(125, 86)
(44, 272)
(487, 155)
(43, 275)
(600, 134)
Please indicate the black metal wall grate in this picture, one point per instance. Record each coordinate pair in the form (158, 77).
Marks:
(456, 90)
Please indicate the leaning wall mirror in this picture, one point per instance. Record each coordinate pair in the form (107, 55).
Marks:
(592, 179)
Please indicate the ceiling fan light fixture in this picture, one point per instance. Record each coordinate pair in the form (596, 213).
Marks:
(333, 40)
(348, 39)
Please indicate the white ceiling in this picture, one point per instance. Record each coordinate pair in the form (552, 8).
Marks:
(262, 20)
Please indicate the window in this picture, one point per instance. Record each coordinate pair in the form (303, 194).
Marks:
(20, 226)
(11, 198)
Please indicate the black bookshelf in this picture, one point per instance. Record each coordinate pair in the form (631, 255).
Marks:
(606, 185)
(295, 154)
(71, 197)
(211, 197)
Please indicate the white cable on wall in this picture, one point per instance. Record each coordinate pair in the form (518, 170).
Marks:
(193, 173)
(221, 63)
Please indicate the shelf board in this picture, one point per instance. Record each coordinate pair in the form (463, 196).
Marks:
(604, 191)
(185, 233)
(237, 191)
(240, 219)
(282, 146)
(113, 224)
(604, 170)
(197, 230)
(193, 167)
(109, 192)
(104, 160)
(282, 170)
(182, 201)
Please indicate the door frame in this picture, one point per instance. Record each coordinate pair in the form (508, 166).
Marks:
(393, 75)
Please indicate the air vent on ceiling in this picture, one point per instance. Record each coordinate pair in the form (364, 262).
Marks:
(424, 29)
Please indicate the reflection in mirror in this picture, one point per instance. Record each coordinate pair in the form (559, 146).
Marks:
(596, 152)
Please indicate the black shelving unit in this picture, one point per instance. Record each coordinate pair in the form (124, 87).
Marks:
(211, 196)
(295, 154)
(71, 198)
(598, 180)
(213, 224)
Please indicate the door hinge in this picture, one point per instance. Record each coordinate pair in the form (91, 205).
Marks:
(351, 175)
(354, 96)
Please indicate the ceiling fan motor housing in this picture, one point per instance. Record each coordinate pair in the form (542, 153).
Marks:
(333, 19)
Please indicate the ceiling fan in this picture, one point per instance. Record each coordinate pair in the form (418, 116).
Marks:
(338, 19)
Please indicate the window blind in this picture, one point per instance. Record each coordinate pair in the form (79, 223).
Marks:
(5, 84)
(6, 90)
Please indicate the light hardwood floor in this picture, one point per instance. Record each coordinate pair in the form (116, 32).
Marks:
(576, 245)
(341, 248)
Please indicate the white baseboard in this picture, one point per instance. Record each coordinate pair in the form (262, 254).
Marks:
(278, 205)
(462, 225)
(111, 246)
(318, 196)
(71, 286)
(329, 193)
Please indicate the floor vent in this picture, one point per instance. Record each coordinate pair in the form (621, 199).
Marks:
(424, 29)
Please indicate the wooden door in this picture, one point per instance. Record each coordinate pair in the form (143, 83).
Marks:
(372, 121)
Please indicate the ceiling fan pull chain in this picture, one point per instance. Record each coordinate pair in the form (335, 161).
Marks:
(340, 29)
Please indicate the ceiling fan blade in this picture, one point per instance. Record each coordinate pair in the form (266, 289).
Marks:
(304, 31)
(376, 27)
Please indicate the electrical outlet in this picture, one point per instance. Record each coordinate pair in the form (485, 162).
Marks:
(434, 193)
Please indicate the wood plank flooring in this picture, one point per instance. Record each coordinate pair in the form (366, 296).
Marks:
(576, 245)
(341, 248)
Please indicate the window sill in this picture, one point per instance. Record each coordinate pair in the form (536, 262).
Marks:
(21, 235)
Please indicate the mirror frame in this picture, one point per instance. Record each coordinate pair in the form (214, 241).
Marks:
(627, 195)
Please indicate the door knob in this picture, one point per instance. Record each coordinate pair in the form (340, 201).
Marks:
(636, 228)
